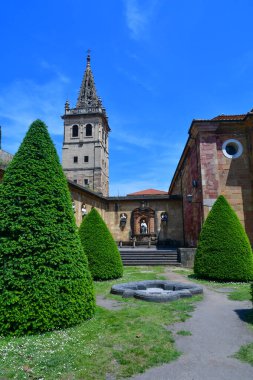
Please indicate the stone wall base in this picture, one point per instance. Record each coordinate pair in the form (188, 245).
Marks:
(186, 256)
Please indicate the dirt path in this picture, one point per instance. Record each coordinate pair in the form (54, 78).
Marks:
(218, 331)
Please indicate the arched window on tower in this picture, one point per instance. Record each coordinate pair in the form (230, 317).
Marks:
(88, 130)
(75, 131)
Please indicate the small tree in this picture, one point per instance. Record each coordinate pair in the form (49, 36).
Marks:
(44, 279)
(224, 251)
(102, 252)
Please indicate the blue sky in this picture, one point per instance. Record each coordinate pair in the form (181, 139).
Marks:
(157, 64)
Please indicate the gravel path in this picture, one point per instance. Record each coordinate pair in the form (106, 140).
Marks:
(218, 331)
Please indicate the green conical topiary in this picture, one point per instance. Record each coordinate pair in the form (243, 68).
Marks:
(102, 252)
(45, 283)
(224, 251)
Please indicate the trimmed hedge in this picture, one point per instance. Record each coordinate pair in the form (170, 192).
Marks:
(45, 283)
(102, 252)
(224, 251)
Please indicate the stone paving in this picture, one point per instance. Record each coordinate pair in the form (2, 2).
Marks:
(218, 331)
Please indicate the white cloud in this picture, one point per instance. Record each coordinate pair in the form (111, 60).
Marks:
(24, 101)
(53, 68)
(135, 79)
(138, 18)
(138, 140)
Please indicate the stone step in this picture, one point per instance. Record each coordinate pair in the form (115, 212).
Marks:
(149, 253)
(152, 263)
(148, 256)
(164, 258)
(148, 262)
(139, 251)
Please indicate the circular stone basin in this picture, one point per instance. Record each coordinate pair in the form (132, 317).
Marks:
(156, 290)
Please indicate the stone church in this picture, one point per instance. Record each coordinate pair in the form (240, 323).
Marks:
(150, 216)
(217, 159)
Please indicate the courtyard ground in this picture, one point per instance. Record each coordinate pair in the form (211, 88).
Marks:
(216, 332)
(116, 343)
(128, 336)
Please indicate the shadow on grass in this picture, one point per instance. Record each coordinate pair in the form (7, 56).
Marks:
(207, 280)
(216, 280)
(246, 315)
(194, 277)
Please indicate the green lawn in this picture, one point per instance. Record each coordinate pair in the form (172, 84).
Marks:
(115, 343)
(241, 289)
(184, 333)
(245, 354)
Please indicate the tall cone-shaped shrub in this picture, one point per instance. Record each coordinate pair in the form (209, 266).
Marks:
(45, 283)
(224, 251)
(102, 252)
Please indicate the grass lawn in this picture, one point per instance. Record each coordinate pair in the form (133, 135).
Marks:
(115, 343)
(245, 354)
(184, 333)
(241, 289)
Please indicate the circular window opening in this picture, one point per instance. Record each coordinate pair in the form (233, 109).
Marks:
(232, 148)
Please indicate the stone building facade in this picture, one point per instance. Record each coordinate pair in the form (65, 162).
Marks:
(85, 158)
(217, 159)
(85, 161)
(162, 214)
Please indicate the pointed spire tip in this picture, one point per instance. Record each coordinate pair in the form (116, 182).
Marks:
(88, 56)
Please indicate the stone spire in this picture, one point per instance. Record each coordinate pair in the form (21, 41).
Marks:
(87, 95)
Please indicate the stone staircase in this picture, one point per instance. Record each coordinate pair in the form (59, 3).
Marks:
(148, 256)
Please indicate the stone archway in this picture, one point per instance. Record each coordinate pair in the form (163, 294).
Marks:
(140, 215)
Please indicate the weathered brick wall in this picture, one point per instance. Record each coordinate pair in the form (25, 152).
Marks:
(185, 185)
(209, 166)
(209, 170)
(216, 174)
(235, 177)
(229, 177)
(176, 190)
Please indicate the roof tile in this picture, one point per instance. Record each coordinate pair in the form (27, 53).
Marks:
(149, 192)
(229, 117)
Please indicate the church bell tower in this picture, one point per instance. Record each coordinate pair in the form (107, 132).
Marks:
(85, 156)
